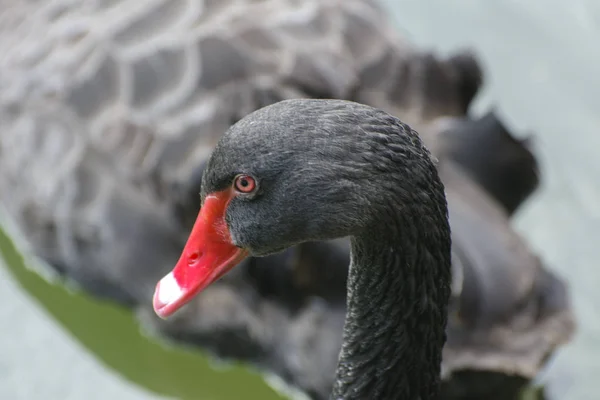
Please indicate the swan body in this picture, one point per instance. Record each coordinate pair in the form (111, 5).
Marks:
(109, 110)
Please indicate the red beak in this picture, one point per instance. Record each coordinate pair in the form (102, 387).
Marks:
(207, 256)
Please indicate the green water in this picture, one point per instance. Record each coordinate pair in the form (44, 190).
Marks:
(114, 337)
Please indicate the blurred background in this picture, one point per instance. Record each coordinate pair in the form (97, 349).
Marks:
(540, 60)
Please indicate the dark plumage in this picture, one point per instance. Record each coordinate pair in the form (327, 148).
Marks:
(328, 169)
(503, 165)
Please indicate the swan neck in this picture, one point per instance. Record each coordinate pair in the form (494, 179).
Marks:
(394, 333)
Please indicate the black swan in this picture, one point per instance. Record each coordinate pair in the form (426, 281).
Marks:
(121, 102)
(306, 170)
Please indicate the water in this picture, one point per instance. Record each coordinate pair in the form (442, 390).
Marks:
(75, 349)
(541, 59)
(35, 344)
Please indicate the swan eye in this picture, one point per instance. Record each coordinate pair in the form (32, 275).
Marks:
(244, 184)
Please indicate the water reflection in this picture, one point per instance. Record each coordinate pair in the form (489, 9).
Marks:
(113, 336)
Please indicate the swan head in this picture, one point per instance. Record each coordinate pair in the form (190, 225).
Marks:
(295, 171)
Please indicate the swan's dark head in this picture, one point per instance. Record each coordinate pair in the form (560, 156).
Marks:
(296, 171)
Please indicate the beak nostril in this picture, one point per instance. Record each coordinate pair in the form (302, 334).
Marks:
(193, 258)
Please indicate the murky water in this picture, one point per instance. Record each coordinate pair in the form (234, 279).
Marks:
(40, 360)
(65, 346)
(542, 59)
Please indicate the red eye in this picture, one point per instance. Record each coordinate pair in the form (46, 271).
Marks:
(244, 183)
